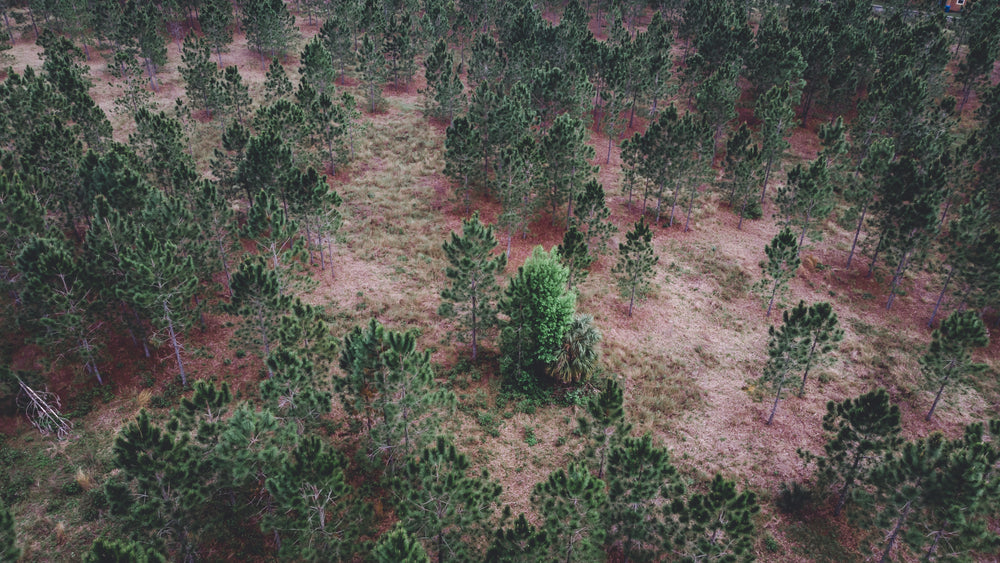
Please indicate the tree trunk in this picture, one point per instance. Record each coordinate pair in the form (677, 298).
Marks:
(771, 302)
(936, 399)
(895, 532)
(174, 343)
(767, 175)
(951, 271)
(687, 221)
(743, 209)
(842, 496)
(934, 544)
(878, 247)
(857, 232)
(631, 299)
(777, 397)
(812, 351)
(473, 322)
(896, 279)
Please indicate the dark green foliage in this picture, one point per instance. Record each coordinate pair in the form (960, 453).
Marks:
(398, 48)
(786, 352)
(313, 511)
(566, 160)
(105, 550)
(806, 196)
(215, 18)
(258, 300)
(521, 542)
(371, 68)
(391, 384)
(636, 260)
(397, 546)
(781, 264)
(742, 166)
(274, 232)
(574, 255)
(159, 141)
(8, 536)
(277, 86)
(439, 498)
(819, 333)
(462, 157)
(296, 391)
(948, 358)
(539, 309)
(591, 217)
(570, 502)
(336, 35)
(604, 424)
(201, 75)
(720, 523)
(473, 269)
(862, 432)
(639, 473)
(774, 109)
(269, 27)
(316, 67)
(227, 162)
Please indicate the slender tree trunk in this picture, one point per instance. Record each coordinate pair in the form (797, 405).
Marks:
(896, 278)
(812, 352)
(771, 302)
(473, 321)
(936, 399)
(878, 248)
(174, 343)
(848, 483)
(767, 175)
(777, 397)
(673, 204)
(743, 209)
(631, 299)
(265, 340)
(857, 232)
(687, 221)
(951, 271)
(895, 532)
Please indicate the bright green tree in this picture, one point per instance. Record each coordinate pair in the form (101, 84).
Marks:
(539, 310)
(636, 260)
(948, 359)
(472, 269)
(578, 357)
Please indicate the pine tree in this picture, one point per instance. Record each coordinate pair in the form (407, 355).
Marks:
(258, 300)
(636, 260)
(398, 49)
(312, 504)
(773, 60)
(862, 432)
(573, 254)
(639, 475)
(868, 175)
(235, 93)
(519, 543)
(781, 264)
(201, 76)
(473, 270)
(227, 162)
(570, 503)
(806, 196)
(371, 67)
(336, 35)
(719, 523)
(774, 109)
(215, 18)
(269, 27)
(296, 392)
(391, 384)
(461, 157)
(604, 424)
(786, 352)
(316, 67)
(948, 358)
(741, 166)
(160, 283)
(56, 292)
(539, 310)
(566, 158)
(591, 217)
(274, 232)
(159, 141)
(820, 334)
(104, 550)
(440, 499)
(277, 86)
(397, 546)
(8, 536)
(716, 99)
